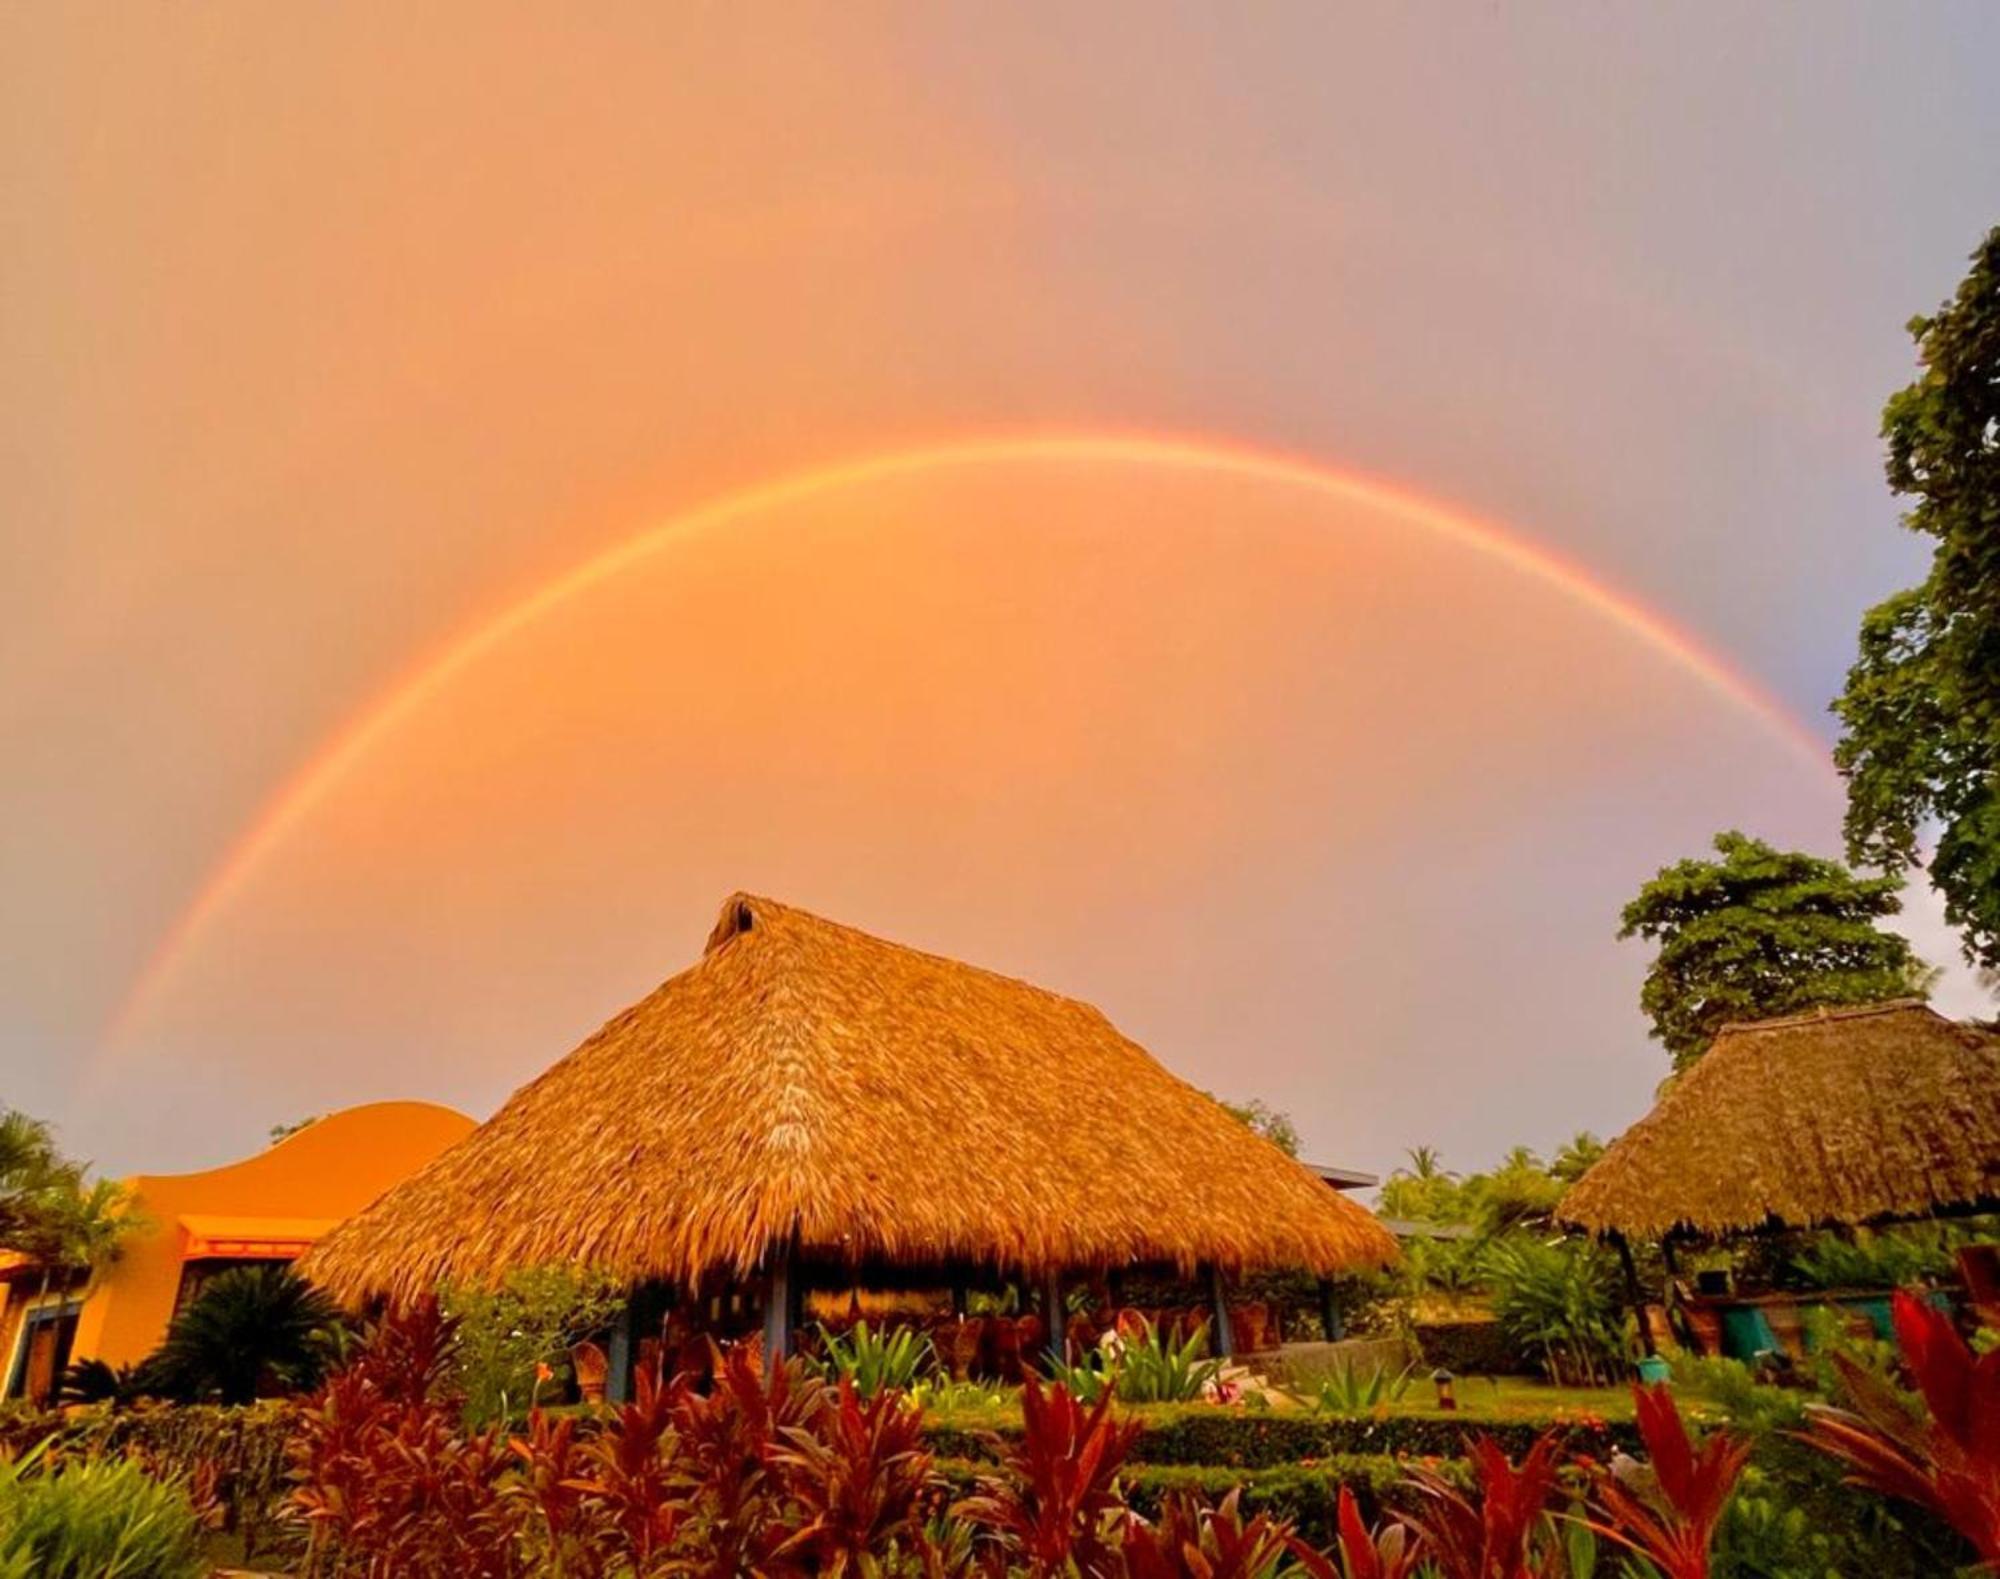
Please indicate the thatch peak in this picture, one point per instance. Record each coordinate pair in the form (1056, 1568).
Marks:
(803, 1078)
(1862, 1114)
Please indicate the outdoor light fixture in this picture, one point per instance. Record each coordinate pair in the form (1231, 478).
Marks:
(1447, 1399)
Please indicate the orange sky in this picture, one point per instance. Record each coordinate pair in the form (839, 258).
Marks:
(326, 331)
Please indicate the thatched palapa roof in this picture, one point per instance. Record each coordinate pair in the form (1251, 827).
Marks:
(1860, 1115)
(881, 1103)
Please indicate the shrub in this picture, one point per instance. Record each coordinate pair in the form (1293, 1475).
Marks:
(1470, 1348)
(1558, 1300)
(1350, 1390)
(512, 1344)
(94, 1519)
(252, 1332)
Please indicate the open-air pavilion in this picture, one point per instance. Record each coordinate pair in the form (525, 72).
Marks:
(1843, 1118)
(808, 1106)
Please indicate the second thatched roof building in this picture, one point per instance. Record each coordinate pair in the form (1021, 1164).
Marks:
(808, 1090)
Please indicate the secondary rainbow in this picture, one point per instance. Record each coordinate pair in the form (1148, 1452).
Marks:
(315, 777)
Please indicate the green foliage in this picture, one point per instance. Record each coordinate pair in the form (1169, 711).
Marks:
(1759, 933)
(1274, 1126)
(1921, 710)
(1729, 1386)
(508, 1336)
(1881, 1259)
(1350, 1390)
(1559, 1300)
(251, 1332)
(877, 1361)
(1153, 1368)
(95, 1519)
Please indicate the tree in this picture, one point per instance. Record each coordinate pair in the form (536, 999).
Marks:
(1920, 716)
(35, 1178)
(252, 1331)
(1274, 1126)
(1763, 932)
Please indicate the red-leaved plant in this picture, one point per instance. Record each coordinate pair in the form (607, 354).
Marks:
(1668, 1510)
(1190, 1540)
(1359, 1552)
(1053, 1512)
(1500, 1532)
(1944, 1457)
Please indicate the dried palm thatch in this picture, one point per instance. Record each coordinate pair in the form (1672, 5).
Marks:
(1860, 1115)
(880, 1103)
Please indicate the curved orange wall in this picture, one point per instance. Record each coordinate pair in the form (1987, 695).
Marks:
(330, 1170)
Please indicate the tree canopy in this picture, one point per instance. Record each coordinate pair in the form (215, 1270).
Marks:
(1763, 932)
(1920, 746)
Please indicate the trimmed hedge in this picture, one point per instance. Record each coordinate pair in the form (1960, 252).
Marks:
(1248, 1439)
(1471, 1348)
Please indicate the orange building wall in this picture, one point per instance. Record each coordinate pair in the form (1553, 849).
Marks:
(328, 1170)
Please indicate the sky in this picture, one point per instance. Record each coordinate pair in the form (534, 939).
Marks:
(1273, 520)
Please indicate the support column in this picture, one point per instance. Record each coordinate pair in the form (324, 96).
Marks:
(618, 1358)
(1329, 1312)
(778, 1304)
(1221, 1340)
(1638, 1294)
(1055, 1318)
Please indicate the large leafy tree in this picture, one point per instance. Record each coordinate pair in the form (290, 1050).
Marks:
(1763, 932)
(1921, 712)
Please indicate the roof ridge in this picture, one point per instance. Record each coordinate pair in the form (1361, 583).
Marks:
(1844, 1011)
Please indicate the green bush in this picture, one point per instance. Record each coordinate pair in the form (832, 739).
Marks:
(1558, 1301)
(507, 1336)
(95, 1519)
(1470, 1348)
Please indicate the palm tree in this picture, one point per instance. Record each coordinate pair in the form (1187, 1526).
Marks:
(250, 1332)
(33, 1175)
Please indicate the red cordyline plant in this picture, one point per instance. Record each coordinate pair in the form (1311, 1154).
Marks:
(1191, 1540)
(1502, 1530)
(1054, 1512)
(1944, 1457)
(1668, 1511)
(856, 1482)
(1359, 1552)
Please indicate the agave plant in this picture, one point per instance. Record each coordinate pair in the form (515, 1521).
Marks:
(874, 1362)
(1669, 1513)
(1349, 1390)
(1944, 1456)
(1155, 1369)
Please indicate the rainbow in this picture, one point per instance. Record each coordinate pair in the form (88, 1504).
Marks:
(310, 783)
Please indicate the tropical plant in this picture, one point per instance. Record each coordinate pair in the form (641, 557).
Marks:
(250, 1332)
(1941, 1454)
(855, 1482)
(1275, 1126)
(1669, 1511)
(1347, 1389)
(1190, 1540)
(1500, 1530)
(1052, 1511)
(875, 1361)
(1763, 932)
(1387, 1552)
(95, 1519)
(1558, 1300)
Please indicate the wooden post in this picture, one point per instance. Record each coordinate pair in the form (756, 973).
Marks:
(618, 1358)
(1329, 1312)
(1055, 1317)
(1637, 1293)
(778, 1304)
(961, 1292)
(1220, 1339)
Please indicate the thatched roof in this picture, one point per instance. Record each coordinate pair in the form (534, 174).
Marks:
(1859, 1115)
(884, 1104)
